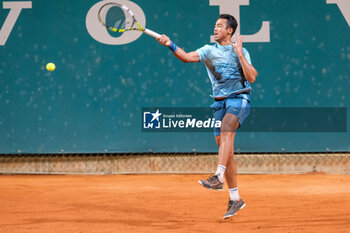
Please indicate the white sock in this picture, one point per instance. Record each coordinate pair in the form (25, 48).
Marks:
(220, 173)
(234, 194)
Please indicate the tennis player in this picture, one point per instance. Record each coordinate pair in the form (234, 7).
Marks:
(230, 71)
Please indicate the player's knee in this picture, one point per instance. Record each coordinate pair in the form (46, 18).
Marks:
(230, 123)
(228, 127)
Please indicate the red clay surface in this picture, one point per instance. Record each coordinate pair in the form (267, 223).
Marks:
(172, 203)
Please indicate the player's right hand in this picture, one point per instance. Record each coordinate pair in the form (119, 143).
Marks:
(164, 40)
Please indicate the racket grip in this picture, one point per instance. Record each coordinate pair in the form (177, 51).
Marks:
(152, 33)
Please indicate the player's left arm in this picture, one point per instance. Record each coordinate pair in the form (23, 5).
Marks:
(249, 71)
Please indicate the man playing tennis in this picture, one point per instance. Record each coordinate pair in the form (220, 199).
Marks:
(231, 72)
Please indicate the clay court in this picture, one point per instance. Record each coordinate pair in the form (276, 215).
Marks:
(312, 202)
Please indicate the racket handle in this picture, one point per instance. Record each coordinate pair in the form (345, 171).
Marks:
(152, 33)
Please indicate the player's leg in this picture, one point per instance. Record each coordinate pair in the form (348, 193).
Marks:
(219, 112)
(235, 202)
(225, 142)
(214, 182)
(231, 171)
(227, 135)
(236, 110)
(232, 113)
(226, 164)
(237, 117)
(231, 166)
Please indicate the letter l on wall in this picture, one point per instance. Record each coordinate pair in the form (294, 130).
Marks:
(232, 7)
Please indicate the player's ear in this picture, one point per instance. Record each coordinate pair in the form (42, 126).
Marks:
(230, 30)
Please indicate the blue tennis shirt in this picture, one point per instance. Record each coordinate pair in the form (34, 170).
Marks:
(224, 69)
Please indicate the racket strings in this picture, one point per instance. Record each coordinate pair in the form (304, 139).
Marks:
(118, 18)
(119, 24)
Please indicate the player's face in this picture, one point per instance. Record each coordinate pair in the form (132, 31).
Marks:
(221, 32)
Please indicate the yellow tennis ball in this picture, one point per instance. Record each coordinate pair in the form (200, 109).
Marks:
(50, 66)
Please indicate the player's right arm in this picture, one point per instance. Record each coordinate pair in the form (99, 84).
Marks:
(179, 52)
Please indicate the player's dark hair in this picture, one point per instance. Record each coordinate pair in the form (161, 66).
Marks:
(231, 22)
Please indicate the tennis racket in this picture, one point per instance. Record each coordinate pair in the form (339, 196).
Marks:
(119, 18)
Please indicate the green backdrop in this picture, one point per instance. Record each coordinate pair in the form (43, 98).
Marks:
(92, 102)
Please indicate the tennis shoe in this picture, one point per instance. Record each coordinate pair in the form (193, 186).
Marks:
(212, 183)
(233, 207)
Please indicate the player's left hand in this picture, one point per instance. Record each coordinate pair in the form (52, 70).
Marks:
(237, 45)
